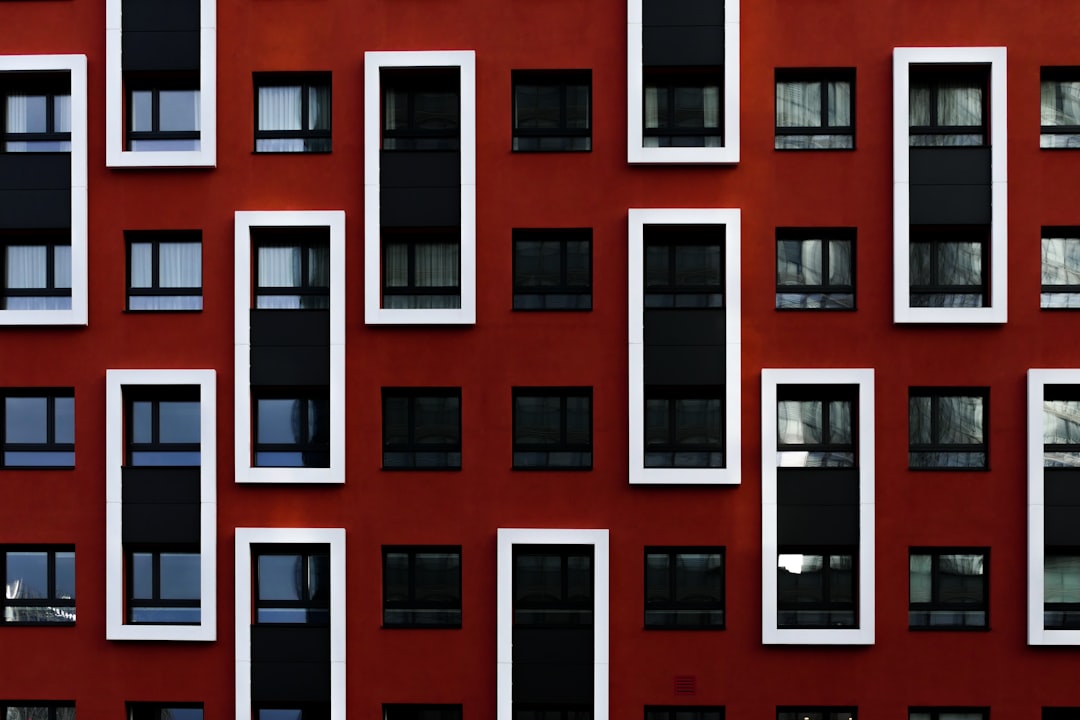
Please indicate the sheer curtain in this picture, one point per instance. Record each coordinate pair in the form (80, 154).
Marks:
(279, 267)
(280, 109)
(710, 101)
(798, 104)
(180, 265)
(17, 121)
(959, 104)
(652, 115)
(27, 267)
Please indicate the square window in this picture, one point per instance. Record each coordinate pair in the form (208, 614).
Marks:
(38, 428)
(684, 266)
(163, 585)
(162, 426)
(164, 270)
(421, 428)
(948, 106)
(421, 269)
(949, 589)
(815, 269)
(948, 713)
(37, 710)
(1060, 267)
(684, 712)
(162, 113)
(292, 584)
(165, 711)
(421, 712)
(949, 266)
(36, 112)
(553, 586)
(684, 427)
(1059, 108)
(552, 428)
(816, 589)
(552, 110)
(292, 112)
(292, 268)
(1061, 426)
(422, 587)
(39, 585)
(682, 109)
(684, 590)
(816, 426)
(36, 271)
(552, 269)
(421, 109)
(292, 427)
(815, 109)
(947, 428)
(816, 713)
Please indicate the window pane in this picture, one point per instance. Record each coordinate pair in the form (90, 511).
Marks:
(657, 586)
(579, 578)
(142, 265)
(278, 421)
(27, 267)
(959, 103)
(839, 103)
(1060, 102)
(961, 578)
(280, 577)
(798, 104)
(799, 262)
(697, 265)
(799, 422)
(141, 422)
(578, 426)
(180, 576)
(1061, 583)
(699, 576)
(65, 575)
(26, 420)
(179, 110)
(62, 266)
(142, 111)
(840, 262)
(179, 422)
(697, 422)
(27, 575)
(279, 266)
(436, 420)
(537, 578)
(279, 108)
(919, 427)
(537, 420)
(318, 580)
(960, 420)
(920, 582)
(396, 577)
(319, 107)
(142, 576)
(181, 265)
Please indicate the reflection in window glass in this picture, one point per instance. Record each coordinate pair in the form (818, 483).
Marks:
(946, 431)
(39, 586)
(39, 431)
(1060, 270)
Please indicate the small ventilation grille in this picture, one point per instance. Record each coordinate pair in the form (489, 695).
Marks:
(686, 685)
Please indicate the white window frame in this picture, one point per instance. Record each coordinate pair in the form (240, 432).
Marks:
(245, 538)
(245, 221)
(1037, 633)
(636, 153)
(504, 615)
(75, 66)
(115, 626)
(903, 59)
(374, 62)
(116, 156)
(731, 219)
(770, 633)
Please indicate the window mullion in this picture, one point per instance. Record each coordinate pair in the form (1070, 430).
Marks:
(155, 110)
(50, 420)
(304, 110)
(155, 264)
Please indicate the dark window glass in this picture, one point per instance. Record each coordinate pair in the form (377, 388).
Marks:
(523, 711)
(553, 269)
(553, 585)
(1061, 426)
(1059, 107)
(38, 427)
(164, 270)
(292, 112)
(816, 713)
(164, 585)
(37, 710)
(949, 589)
(421, 428)
(165, 711)
(684, 589)
(162, 113)
(1061, 589)
(421, 712)
(815, 426)
(815, 269)
(35, 115)
(421, 269)
(684, 266)
(816, 589)
(292, 427)
(948, 714)
(39, 585)
(684, 427)
(1060, 713)
(1060, 267)
(421, 587)
(815, 109)
(163, 426)
(293, 711)
(292, 585)
(947, 428)
(421, 109)
(948, 107)
(683, 110)
(552, 110)
(36, 271)
(292, 268)
(684, 712)
(552, 428)
(949, 267)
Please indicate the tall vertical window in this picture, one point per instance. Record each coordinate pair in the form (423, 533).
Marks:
(36, 112)
(292, 268)
(948, 107)
(815, 268)
(421, 269)
(682, 110)
(815, 109)
(684, 588)
(816, 589)
(162, 115)
(1060, 267)
(552, 428)
(163, 426)
(421, 586)
(292, 112)
(422, 428)
(947, 428)
(39, 585)
(552, 269)
(421, 109)
(292, 585)
(552, 110)
(949, 590)
(36, 271)
(948, 266)
(164, 270)
(1059, 108)
(38, 428)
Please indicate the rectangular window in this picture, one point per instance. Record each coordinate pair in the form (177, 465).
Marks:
(684, 266)
(553, 585)
(949, 590)
(684, 712)
(948, 266)
(421, 269)
(1060, 108)
(552, 428)
(1061, 591)
(163, 426)
(162, 114)
(37, 710)
(552, 269)
(682, 110)
(292, 112)
(948, 106)
(421, 109)
(815, 426)
(816, 589)
(292, 584)
(421, 428)
(947, 428)
(1061, 427)
(38, 427)
(684, 428)
(552, 110)
(164, 270)
(39, 585)
(421, 712)
(422, 587)
(36, 271)
(36, 112)
(292, 268)
(803, 712)
(949, 713)
(684, 590)
(1060, 267)
(815, 268)
(292, 427)
(165, 711)
(163, 586)
(815, 109)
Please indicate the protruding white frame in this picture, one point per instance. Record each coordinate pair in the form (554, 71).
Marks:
(770, 633)
(334, 220)
(731, 219)
(504, 614)
(245, 538)
(115, 382)
(75, 66)
(1037, 633)
(903, 59)
(116, 156)
(374, 63)
(636, 153)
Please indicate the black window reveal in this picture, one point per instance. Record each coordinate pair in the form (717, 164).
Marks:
(421, 428)
(422, 587)
(552, 110)
(816, 588)
(684, 588)
(38, 427)
(815, 269)
(552, 428)
(947, 428)
(815, 109)
(552, 269)
(949, 589)
(39, 585)
(292, 112)
(164, 270)
(292, 585)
